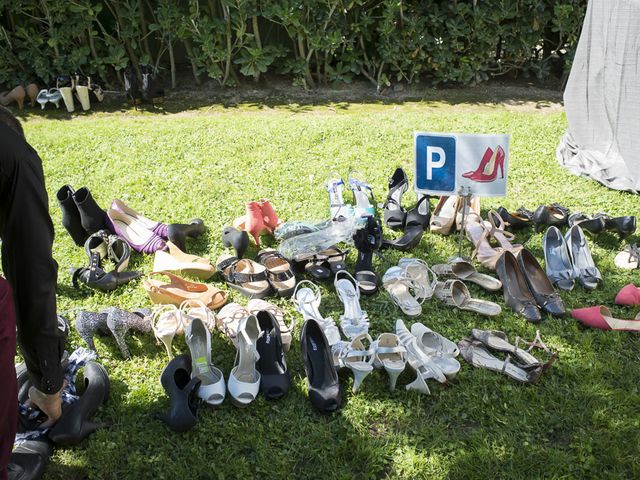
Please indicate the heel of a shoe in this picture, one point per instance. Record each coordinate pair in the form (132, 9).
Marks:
(393, 373)
(419, 384)
(83, 96)
(358, 378)
(67, 97)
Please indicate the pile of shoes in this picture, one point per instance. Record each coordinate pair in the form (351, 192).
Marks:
(18, 95)
(148, 88)
(191, 379)
(519, 363)
(84, 87)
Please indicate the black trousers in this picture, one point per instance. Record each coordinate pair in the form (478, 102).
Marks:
(27, 238)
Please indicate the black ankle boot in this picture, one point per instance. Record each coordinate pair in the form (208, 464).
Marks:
(92, 217)
(178, 232)
(367, 240)
(71, 215)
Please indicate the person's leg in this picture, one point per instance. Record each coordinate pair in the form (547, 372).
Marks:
(9, 397)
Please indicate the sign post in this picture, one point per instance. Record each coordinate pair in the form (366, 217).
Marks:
(461, 164)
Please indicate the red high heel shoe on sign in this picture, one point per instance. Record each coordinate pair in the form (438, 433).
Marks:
(260, 217)
(487, 171)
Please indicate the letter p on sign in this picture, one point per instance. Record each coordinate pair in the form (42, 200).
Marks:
(436, 158)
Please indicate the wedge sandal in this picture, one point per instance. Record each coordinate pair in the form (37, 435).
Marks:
(177, 290)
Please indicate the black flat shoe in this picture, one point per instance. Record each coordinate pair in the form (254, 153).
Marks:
(416, 222)
(178, 232)
(236, 239)
(547, 215)
(367, 240)
(71, 215)
(92, 217)
(322, 378)
(275, 379)
(74, 424)
(516, 290)
(541, 288)
(624, 226)
(182, 391)
(394, 214)
(593, 225)
(521, 218)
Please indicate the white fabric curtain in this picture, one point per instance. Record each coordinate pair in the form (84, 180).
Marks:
(602, 97)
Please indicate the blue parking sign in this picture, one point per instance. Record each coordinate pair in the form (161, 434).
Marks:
(435, 163)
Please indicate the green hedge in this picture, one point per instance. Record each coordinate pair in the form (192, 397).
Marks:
(311, 41)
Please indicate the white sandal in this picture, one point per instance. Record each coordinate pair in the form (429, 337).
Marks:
(423, 277)
(307, 302)
(212, 387)
(418, 360)
(358, 358)
(391, 356)
(244, 379)
(166, 323)
(439, 349)
(399, 284)
(354, 321)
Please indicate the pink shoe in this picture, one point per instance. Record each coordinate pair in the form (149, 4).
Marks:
(254, 221)
(600, 317)
(271, 220)
(628, 295)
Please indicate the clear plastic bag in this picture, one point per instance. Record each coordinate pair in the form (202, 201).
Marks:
(326, 234)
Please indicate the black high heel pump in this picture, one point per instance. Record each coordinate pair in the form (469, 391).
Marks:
(74, 424)
(624, 226)
(178, 232)
(182, 391)
(367, 240)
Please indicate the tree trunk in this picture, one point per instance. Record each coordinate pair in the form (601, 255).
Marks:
(227, 63)
(172, 62)
(256, 35)
(194, 67)
(145, 34)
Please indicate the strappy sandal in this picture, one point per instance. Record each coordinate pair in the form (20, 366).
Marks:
(479, 233)
(192, 309)
(166, 324)
(256, 305)
(358, 358)
(403, 290)
(362, 198)
(500, 235)
(335, 188)
(228, 320)
(244, 378)
(466, 272)
(279, 271)
(177, 290)
(475, 353)
(424, 278)
(391, 356)
(498, 340)
(306, 298)
(629, 258)
(326, 263)
(246, 276)
(354, 321)
(456, 294)
(394, 213)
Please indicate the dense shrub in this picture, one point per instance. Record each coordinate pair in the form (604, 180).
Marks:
(313, 41)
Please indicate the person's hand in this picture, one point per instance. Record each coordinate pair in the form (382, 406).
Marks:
(49, 404)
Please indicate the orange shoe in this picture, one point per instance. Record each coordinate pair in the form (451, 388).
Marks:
(271, 220)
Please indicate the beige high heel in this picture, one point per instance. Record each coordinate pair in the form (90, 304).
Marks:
(473, 211)
(16, 95)
(500, 234)
(32, 91)
(478, 233)
(444, 215)
(167, 323)
(177, 261)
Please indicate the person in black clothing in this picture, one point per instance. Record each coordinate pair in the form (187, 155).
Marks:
(26, 231)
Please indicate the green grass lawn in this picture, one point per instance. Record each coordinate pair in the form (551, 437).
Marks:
(582, 420)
